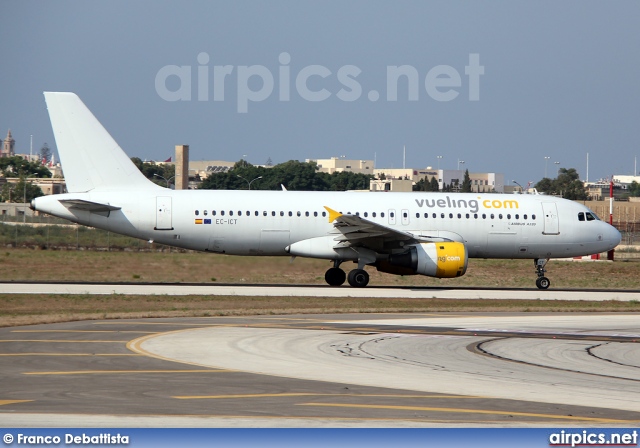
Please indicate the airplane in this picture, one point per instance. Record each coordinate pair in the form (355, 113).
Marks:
(417, 233)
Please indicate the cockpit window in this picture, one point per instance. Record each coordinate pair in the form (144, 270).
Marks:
(591, 217)
(581, 216)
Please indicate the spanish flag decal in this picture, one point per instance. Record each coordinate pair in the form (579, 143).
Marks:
(198, 221)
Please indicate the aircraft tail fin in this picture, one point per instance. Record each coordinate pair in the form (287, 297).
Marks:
(89, 156)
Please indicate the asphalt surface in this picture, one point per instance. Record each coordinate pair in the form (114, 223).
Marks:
(325, 370)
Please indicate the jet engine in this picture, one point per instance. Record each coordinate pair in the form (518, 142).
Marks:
(441, 260)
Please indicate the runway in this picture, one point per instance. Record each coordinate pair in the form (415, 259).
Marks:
(412, 370)
(315, 291)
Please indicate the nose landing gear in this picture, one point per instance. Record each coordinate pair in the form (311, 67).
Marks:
(542, 282)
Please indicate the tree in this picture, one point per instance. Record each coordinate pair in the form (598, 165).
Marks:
(567, 185)
(16, 166)
(435, 185)
(45, 153)
(21, 191)
(156, 173)
(634, 189)
(466, 183)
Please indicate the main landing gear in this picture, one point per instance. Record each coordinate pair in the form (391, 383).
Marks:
(542, 282)
(358, 278)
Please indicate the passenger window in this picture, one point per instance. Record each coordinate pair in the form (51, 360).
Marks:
(382, 214)
(467, 215)
(249, 213)
(373, 214)
(366, 214)
(484, 216)
(391, 215)
(450, 215)
(281, 213)
(213, 213)
(290, 213)
(509, 216)
(417, 215)
(517, 216)
(524, 217)
(426, 215)
(299, 214)
(306, 214)
(435, 216)
(459, 216)
(500, 216)
(204, 213)
(442, 215)
(239, 213)
(273, 213)
(406, 215)
(475, 216)
(533, 217)
(230, 212)
(492, 216)
(197, 212)
(324, 214)
(315, 213)
(258, 213)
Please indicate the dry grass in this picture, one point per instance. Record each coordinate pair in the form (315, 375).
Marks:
(47, 265)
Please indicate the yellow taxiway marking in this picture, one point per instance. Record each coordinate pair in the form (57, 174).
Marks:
(58, 340)
(307, 394)
(3, 402)
(467, 411)
(102, 372)
(69, 354)
(81, 331)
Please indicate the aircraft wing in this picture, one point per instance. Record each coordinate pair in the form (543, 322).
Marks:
(353, 230)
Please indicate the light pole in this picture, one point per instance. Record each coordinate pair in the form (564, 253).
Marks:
(24, 199)
(249, 183)
(460, 162)
(521, 187)
(546, 160)
(439, 158)
(165, 179)
(557, 168)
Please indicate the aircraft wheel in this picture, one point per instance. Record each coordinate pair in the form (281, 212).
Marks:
(335, 276)
(543, 283)
(358, 278)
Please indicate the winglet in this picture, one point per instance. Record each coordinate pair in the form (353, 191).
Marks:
(333, 215)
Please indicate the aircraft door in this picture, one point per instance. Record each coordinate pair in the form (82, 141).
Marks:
(405, 217)
(392, 217)
(163, 213)
(551, 224)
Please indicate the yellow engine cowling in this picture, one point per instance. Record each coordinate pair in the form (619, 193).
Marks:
(441, 260)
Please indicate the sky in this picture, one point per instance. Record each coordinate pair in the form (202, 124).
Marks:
(519, 88)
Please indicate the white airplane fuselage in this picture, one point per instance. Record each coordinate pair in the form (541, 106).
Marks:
(268, 222)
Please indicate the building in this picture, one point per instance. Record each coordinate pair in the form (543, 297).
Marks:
(8, 146)
(339, 164)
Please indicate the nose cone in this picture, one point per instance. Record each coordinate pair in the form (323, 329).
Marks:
(612, 236)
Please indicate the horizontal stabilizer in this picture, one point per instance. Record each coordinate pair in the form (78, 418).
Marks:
(93, 207)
